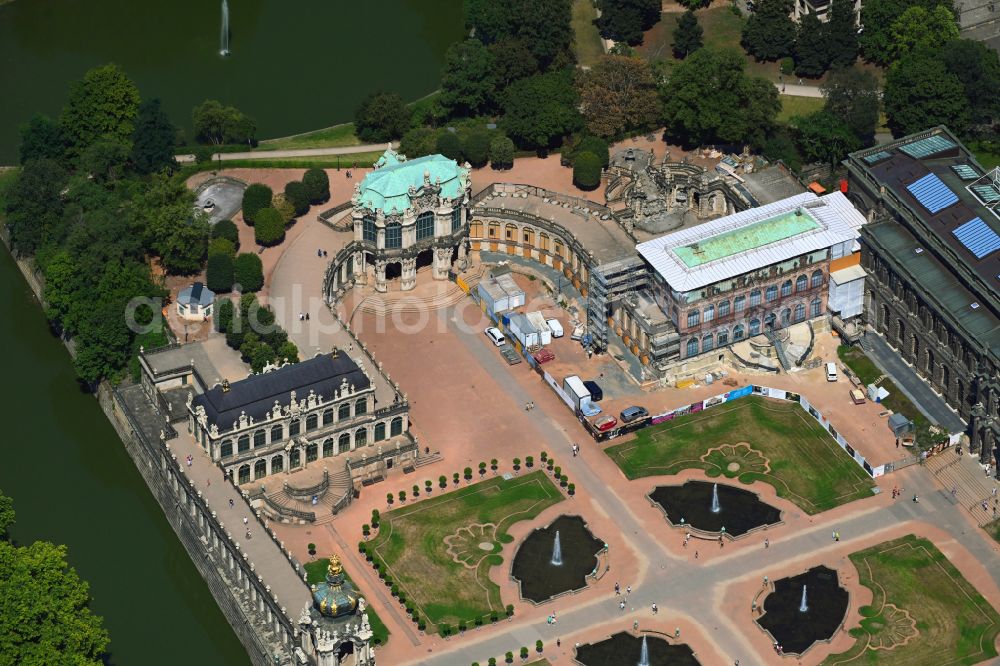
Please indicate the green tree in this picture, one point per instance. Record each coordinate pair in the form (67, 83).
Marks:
(842, 34)
(595, 145)
(105, 159)
(153, 139)
(626, 20)
(917, 29)
(224, 313)
(217, 124)
(978, 68)
(46, 616)
(221, 246)
(219, 276)
(617, 95)
(269, 228)
(317, 185)
(587, 171)
(467, 84)
(103, 105)
(281, 204)
(287, 351)
(708, 99)
(920, 92)
(449, 145)
(688, 35)
(769, 33)
(541, 25)
(418, 142)
(539, 110)
(878, 17)
(811, 46)
(501, 152)
(248, 272)
(297, 195)
(381, 117)
(512, 60)
(64, 286)
(852, 95)
(476, 147)
(174, 230)
(227, 229)
(255, 198)
(41, 138)
(822, 137)
(35, 205)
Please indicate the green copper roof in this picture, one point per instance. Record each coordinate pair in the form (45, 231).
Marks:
(388, 186)
(745, 238)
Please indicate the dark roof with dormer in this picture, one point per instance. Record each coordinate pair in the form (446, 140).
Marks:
(257, 394)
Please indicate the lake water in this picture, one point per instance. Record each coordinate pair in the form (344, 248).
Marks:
(295, 66)
(74, 484)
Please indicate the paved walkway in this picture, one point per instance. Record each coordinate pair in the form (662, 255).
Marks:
(796, 90)
(912, 385)
(301, 152)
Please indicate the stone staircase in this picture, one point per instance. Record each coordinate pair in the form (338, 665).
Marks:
(779, 349)
(964, 475)
(428, 459)
(406, 303)
(295, 507)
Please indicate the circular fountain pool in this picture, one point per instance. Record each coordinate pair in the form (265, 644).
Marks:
(710, 507)
(556, 559)
(804, 609)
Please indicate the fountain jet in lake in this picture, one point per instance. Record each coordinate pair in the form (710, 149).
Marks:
(715, 498)
(556, 552)
(803, 606)
(644, 654)
(224, 35)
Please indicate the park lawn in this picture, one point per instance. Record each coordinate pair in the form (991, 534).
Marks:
(722, 29)
(587, 44)
(986, 157)
(363, 160)
(949, 621)
(792, 106)
(328, 137)
(411, 545)
(316, 573)
(788, 449)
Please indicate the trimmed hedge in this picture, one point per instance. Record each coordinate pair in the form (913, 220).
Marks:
(297, 195)
(317, 185)
(587, 171)
(227, 229)
(256, 198)
(248, 272)
(219, 276)
(270, 227)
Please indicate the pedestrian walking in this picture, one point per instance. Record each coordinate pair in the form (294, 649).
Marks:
(621, 605)
(696, 554)
(994, 492)
(307, 316)
(558, 642)
(655, 609)
(628, 590)
(618, 589)
(767, 544)
(249, 536)
(635, 626)
(231, 503)
(245, 521)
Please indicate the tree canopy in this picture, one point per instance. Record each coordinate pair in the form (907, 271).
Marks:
(709, 99)
(920, 29)
(153, 139)
(626, 20)
(978, 68)
(618, 94)
(256, 197)
(920, 92)
(587, 171)
(467, 84)
(852, 96)
(45, 615)
(822, 137)
(541, 109)
(382, 116)
(102, 105)
(217, 124)
(769, 33)
(501, 152)
(41, 138)
(542, 26)
(842, 34)
(878, 18)
(317, 185)
(811, 46)
(688, 35)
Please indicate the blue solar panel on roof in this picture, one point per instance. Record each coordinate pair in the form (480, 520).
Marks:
(965, 172)
(932, 194)
(977, 237)
(928, 146)
(877, 157)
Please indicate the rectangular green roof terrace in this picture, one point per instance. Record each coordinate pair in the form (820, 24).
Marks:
(749, 237)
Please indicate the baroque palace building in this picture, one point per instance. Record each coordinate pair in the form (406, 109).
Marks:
(932, 252)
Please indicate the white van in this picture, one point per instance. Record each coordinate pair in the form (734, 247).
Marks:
(831, 372)
(496, 336)
(555, 327)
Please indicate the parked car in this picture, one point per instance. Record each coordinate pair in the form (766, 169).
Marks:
(605, 423)
(596, 394)
(831, 372)
(496, 336)
(634, 413)
(555, 327)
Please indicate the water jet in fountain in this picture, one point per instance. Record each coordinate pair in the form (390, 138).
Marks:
(224, 35)
(556, 552)
(803, 606)
(715, 498)
(644, 654)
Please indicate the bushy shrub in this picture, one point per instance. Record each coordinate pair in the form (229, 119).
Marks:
(221, 246)
(418, 142)
(449, 145)
(595, 145)
(256, 198)
(501, 152)
(270, 227)
(297, 195)
(224, 312)
(227, 229)
(317, 185)
(476, 147)
(248, 272)
(587, 171)
(220, 273)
